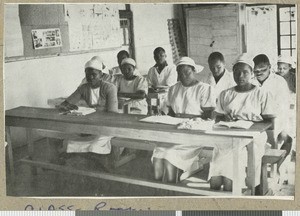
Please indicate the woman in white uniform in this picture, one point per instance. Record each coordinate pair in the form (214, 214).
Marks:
(132, 86)
(187, 98)
(97, 94)
(242, 102)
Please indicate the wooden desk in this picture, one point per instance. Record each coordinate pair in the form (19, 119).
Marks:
(129, 126)
(123, 105)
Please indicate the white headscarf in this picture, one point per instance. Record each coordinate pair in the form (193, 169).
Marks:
(188, 61)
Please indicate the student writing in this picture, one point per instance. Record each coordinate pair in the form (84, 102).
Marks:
(96, 92)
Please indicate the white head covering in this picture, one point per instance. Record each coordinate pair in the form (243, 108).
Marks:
(128, 61)
(98, 58)
(95, 63)
(286, 59)
(188, 61)
(245, 58)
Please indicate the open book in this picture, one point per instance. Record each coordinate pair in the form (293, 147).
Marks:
(239, 124)
(164, 119)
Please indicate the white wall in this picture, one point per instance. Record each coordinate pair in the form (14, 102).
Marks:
(33, 82)
(261, 32)
(150, 31)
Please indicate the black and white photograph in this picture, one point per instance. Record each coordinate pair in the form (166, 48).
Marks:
(150, 100)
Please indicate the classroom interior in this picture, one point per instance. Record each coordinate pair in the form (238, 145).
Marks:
(33, 76)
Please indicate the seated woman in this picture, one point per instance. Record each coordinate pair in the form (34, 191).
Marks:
(123, 54)
(96, 92)
(187, 98)
(99, 95)
(242, 102)
(132, 86)
(97, 63)
(286, 69)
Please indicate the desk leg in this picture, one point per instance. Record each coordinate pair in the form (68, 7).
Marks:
(31, 148)
(10, 153)
(251, 167)
(237, 169)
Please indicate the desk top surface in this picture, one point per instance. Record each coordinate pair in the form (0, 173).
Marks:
(111, 120)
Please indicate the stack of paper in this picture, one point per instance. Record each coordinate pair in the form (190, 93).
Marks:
(197, 124)
(164, 119)
(83, 111)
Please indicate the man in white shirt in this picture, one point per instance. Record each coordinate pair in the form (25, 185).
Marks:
(279, 90)
(161, 74)
(220, 78)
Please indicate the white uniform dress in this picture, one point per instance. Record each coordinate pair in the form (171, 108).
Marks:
(278, 88)
(186, 100)
(94, 143)
(224, 83)
(132, 86)
(249, 106)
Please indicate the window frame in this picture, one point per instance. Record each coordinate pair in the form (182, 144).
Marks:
(279, 35)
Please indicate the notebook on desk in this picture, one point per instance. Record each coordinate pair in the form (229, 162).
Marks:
(164, 119)
(239, 124)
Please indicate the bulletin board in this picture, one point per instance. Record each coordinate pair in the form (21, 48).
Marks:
(83, 28)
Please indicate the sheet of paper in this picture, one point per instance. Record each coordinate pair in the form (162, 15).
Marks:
(197, 124)
(83, 111)
(93, 26)
(164, 120)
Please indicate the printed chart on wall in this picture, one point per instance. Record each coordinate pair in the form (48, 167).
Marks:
(46, 38)
(93, 26)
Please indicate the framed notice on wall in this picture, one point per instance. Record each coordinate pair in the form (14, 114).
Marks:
(46, 38)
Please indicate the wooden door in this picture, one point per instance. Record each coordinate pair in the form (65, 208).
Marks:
(213, 28)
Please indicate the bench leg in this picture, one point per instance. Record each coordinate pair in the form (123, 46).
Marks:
(264, 179)
(31, 149)
(119, 160)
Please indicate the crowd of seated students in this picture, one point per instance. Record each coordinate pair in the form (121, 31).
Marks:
(251, 92)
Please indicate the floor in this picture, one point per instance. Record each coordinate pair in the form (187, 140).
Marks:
(51, 183)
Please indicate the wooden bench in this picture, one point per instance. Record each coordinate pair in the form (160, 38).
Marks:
(271, 156)
(117, 143)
